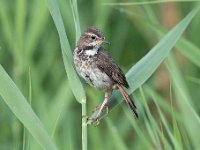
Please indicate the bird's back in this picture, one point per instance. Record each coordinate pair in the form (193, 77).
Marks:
(106, 64)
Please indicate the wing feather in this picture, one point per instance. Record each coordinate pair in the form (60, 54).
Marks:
(106, 64)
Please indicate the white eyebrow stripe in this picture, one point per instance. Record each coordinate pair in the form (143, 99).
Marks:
(91, 34)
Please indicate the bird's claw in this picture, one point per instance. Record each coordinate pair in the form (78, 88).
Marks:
(94, 120)
(85, 116)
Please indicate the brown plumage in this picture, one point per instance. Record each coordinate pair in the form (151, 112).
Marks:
(106, 64)
(93, 63)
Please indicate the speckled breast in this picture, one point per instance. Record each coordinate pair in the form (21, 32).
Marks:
(87, 69)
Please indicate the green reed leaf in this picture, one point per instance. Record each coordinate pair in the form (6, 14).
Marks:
(23, 111)
(74, 81)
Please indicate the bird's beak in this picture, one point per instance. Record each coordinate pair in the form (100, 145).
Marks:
(103, 41)
(106, 42)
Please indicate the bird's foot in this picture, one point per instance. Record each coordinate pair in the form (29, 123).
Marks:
(94, 120)
(85, 116)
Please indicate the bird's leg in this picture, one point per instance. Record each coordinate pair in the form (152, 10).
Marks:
(104, 104)
(98, 107)
(107, 108)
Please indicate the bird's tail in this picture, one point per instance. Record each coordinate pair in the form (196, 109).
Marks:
(128, 100)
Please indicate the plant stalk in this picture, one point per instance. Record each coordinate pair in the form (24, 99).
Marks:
(84, 125)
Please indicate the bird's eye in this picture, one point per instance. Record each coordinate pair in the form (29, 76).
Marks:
(93, 37)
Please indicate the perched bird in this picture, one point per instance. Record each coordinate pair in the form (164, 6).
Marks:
(93, 64)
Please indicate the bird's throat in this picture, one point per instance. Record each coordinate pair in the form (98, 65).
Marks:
(92, 52)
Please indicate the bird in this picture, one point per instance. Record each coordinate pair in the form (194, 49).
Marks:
(98, 69)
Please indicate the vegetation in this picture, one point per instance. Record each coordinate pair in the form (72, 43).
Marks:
(155, 42)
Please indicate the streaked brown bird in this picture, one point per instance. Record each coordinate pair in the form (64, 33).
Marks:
(93, 64)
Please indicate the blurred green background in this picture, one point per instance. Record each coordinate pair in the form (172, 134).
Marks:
(30, 53)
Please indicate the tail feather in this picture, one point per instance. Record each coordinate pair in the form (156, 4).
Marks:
(128, 100)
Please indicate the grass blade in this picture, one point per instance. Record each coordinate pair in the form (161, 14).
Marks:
(188, 113)
(186, 47)
(74, 81)
(6, 25)
(22, 110)
(116, 136)
(73, 4)
(189, 50)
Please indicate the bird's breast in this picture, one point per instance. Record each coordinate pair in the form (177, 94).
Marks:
(89, 71)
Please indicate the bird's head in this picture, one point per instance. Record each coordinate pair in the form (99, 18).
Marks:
(92, 37)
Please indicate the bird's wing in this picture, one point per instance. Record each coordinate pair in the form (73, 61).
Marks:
(106, 64)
